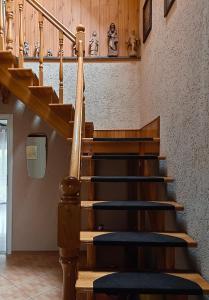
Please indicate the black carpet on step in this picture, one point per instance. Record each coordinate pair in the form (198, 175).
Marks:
(140, 139)
(139, 239)
(145, 283)
(127, 179)
(132, 205)
(124, 157)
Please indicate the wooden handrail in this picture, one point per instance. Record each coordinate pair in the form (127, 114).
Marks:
(52, 20)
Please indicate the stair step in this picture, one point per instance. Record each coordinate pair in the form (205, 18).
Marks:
(132, 205)
(142, 283)
(140, 239)
(45, 93)
(89, 128)
(123, 157)
(129, 139)
(25, 75)
(7, 58)
(127, 179)
(65, 111)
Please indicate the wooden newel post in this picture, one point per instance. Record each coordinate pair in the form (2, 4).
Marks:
(61, 87)
(80, 36)
(10, 19)
(69, 234)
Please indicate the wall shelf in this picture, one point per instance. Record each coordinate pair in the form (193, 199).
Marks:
(86, 59)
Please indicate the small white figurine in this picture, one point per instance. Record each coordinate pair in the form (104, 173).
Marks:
(93, 45)
(133, 45)
(26, 49)
(49, 53)
(37, 50)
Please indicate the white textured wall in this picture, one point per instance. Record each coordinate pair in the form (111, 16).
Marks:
(174, 75)
(112, 91)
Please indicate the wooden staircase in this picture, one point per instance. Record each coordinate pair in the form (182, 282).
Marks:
(149, 268)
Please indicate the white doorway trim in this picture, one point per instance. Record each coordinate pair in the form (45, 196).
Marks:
(9, 118)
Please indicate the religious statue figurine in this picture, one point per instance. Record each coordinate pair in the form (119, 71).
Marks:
(26, 49)
(37, 50)
(93, 45)
(49, 53)
(73, 49)
(112, 41)
(133, 45)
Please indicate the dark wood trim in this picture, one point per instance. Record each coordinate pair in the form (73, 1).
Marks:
(98, 59)
(147, 32)
(167, 7)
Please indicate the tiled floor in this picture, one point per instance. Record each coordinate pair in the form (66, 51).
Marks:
(30, 277)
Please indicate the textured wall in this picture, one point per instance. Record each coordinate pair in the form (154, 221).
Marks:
(174, 75)
(112, 91)
(35, 201)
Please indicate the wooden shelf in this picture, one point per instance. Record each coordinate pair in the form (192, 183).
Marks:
(86, 59)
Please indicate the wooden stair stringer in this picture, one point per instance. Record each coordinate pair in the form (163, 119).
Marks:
(37, 106)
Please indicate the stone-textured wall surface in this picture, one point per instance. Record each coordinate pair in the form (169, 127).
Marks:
(174, 84)
(112, 91)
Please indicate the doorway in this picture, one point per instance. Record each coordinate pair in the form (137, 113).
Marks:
(5, 183)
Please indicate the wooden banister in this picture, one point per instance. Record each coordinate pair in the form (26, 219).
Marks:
(61, 90)
(41, 51)
(69, 206)
(1, 26)
(52, 20)
(21, 38)
(10, 18)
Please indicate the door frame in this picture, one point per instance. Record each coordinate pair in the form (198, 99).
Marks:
(9, 118)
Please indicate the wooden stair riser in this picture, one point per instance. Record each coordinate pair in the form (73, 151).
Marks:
(46, 94)
(66, 112)
(24, 76)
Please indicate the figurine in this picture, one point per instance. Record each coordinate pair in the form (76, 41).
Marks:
(93, 45)
(49, 53)
(37, 50)
(133, 45)
(60, 52)
(112, 41)
(26, 49)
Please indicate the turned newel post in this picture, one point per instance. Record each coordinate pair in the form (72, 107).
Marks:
(10, 19)
(69, 234)
(61, 88)
(1, 26)
(21, 37)
(41, 52)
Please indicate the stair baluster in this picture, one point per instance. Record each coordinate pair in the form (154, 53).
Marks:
(21, 36)
(61, 87)
(10, 20)
(41, 53)
(1, 26)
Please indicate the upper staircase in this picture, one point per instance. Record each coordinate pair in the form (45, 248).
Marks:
(136, 255)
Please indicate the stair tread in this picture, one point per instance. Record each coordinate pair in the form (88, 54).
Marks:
(137, 238)
(129, 139)
(136, 205)
(126, 179)
(7, 56)
(124, 156)
(142, 283)
(22, 73)
(46, 92)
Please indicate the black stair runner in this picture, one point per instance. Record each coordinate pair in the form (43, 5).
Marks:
(145, 283)
(148, 239)
(127, 179)
(132, 205)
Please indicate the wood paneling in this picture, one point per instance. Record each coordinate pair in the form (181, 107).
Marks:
(95, 15)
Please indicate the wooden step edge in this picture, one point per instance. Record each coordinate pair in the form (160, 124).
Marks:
(176, 205)
(85, 282)
(37, 90)
(91, 156)
(91, 178)
(91, 140)
(87, 237)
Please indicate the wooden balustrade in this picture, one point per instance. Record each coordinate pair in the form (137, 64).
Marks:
(61, 87)
(69, 206)
(21, 37)
(1, 26)
(41, 50)
(10, 19)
